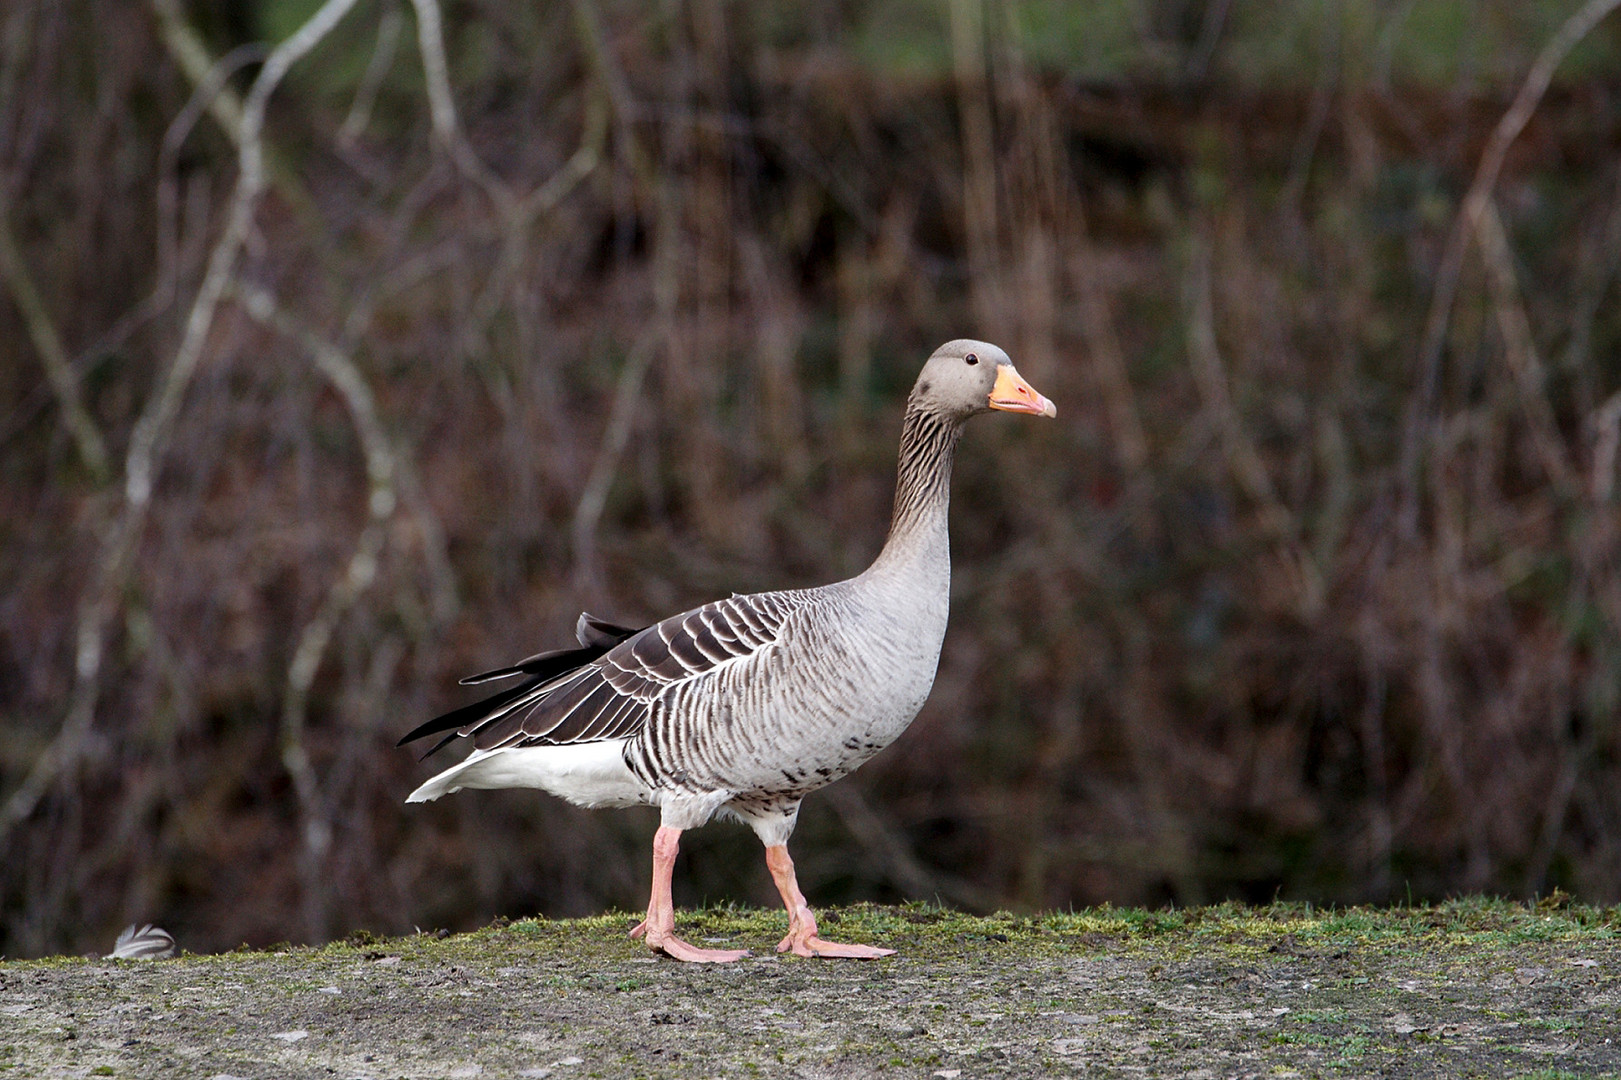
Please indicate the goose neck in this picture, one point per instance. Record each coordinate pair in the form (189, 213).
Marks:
(922, 488)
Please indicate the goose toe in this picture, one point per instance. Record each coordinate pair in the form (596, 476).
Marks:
(811, 945)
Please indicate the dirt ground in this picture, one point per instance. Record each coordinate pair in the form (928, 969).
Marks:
(1473, 989)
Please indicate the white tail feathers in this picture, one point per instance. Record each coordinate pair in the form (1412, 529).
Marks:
(586, 774)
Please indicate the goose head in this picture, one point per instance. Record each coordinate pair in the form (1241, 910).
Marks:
(966, 377)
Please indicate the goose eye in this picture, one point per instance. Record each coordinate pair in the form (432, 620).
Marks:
(971, 358)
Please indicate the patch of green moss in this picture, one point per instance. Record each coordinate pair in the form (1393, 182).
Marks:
(926, 929)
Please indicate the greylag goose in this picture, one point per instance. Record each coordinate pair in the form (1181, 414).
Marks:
(744, 706)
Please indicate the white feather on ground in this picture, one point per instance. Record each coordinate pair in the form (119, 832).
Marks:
(147, 943)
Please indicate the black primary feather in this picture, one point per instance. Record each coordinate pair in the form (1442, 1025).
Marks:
(592, 631)
(596, 637)
(546, 664)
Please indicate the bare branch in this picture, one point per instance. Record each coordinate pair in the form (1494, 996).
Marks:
(594, 496)
(884, 846)
(212, 84)
(1606, 441)
(1242, 458)
(442, 107)
(381, 468)
(345, 376)
(666, 291)
(48, 344)
(518, 214)
(1520, 349)
(436, 69)
(1109, 361)
(186, 45)
(981, 217)
(203, 95)
(1215, 18)
(147, 439)
(382, 58)
(607, 72)
(1467, 225)
(579, 166)
(153, 425)
(522, 215)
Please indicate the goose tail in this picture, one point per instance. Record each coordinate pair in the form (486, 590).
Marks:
(586, 774)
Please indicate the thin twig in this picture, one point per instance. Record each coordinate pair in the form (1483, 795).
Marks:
(1601, 256)
(883, 844)
(1385, 48)
(544, 199)
(666, 293)
(1215, 17)
(149, 431)
(614, 85)
(389, 28)
(210, 78)
(48, 344)
(589, 25)
(1242, 458)
(615, 435)
(523, 214)
(1322, 100)
(517, 214)
(1606, 441)
(214, 82)
(1520, 349)
(981, 218)
(1108, 359)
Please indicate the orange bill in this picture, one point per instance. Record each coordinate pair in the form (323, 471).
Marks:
(1012, 394)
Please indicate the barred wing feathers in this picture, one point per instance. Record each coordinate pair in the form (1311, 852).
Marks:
(542, 672)
(610, 694)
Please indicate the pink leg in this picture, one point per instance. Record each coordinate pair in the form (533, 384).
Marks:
(802, 937)
(659, 926)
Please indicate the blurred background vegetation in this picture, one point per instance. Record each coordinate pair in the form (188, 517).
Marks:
(1312, 591)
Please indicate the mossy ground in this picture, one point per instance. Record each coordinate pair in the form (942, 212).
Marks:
(1476, 988)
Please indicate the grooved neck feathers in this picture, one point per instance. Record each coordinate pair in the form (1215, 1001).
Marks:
(922, 483)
